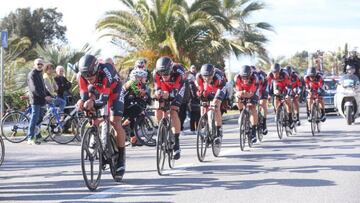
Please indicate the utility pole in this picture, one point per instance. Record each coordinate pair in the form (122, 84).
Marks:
(4, 44)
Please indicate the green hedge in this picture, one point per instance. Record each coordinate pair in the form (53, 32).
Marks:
(12, 100)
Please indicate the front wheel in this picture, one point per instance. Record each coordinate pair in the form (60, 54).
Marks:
(314, 119)
(14, 126)
(202, 141)
(243, 129)
(91, 159)
(161, 148)
(348, 114)
(279, 121)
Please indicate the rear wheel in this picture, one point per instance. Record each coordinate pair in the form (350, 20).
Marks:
(57, 129)
(161, 148)
(145, 131)
(14, 126)
(114, 157)
(202, 138)
(91, 159)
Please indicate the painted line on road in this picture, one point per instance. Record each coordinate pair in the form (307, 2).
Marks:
(109, 192)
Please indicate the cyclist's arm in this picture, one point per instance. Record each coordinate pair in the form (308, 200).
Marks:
(180, 85)
(83, 87)
(221, 91)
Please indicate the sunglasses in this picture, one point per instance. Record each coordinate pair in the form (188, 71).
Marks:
(165, 73)
(40, 64)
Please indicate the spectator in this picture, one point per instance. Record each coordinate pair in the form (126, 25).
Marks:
(38, 96)
(51, 86)
(195, 102)
(63, 85)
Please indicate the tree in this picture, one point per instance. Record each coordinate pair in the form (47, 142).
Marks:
(188, 33)
(41, 26)
(15, 66)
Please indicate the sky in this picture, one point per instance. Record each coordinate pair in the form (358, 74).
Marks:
(299, 24)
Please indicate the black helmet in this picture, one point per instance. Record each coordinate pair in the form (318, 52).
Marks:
(207, 70)
(311, 71)
(276, 68)
(289, 69)
(88, 65)
(163, 65)
(245, 71)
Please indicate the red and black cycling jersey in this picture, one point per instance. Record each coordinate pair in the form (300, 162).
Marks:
(107, 84)
(316, 84)
(176, 79)
(249, 86)
(281, 83)
(175, 84)
(217, 86)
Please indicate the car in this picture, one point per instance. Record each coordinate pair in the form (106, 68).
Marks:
(330, 83)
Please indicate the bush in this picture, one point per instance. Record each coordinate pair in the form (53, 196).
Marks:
(12, 100)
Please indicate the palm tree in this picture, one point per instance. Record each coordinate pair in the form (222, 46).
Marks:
(15, 66)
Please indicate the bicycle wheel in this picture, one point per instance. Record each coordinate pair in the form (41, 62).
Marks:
(14, 126)
(286, 123)
(243, 130)
(216, 141)
(202, 141)
(313, 119)
(260, 126)
(318, 121)
(145, 131)
(161, 147)
(115, 155)
(2, 150)
(169, 148)
(91, 159)
(279, 121)
(58, 132)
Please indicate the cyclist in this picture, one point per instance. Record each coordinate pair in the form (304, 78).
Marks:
(141, 64)
(263, 92)
(296, 89)
(246, 89)
(280, 82)
(211, 85)
(106, 81)
(314, 84)
(169, 84)
(135, 91)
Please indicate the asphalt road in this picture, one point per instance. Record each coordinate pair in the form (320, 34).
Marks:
(300, 168)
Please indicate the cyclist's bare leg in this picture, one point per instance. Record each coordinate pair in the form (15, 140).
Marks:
(277, 102)
(175, 122)
(218, 117)
(263, 105)
(119, 131)
(254, 115)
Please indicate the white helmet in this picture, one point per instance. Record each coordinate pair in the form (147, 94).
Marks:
(138, 73)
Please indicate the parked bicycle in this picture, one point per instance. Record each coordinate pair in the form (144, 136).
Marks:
(206, 132)
(98, 148)
(15, 123)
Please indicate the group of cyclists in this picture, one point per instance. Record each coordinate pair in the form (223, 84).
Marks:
(100, 85)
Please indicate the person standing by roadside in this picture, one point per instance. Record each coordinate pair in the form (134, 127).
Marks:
(38, 96)
(195, 101)
(63, 90)
(51, 86)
